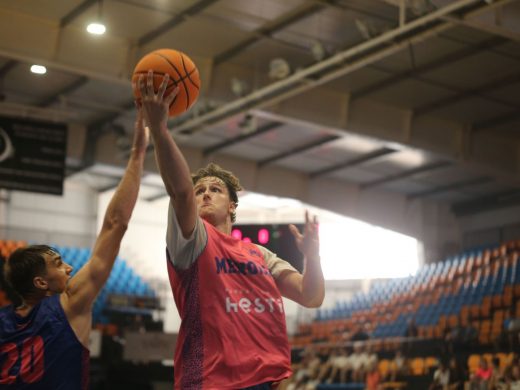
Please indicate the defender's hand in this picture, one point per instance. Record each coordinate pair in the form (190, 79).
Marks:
(308, 243)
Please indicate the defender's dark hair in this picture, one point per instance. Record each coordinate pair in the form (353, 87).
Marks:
(24, 265)
(231, 181)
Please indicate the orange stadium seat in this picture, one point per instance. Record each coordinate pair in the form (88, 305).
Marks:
(473, 363)
(384, 367)
(430, 362)
(503, 358)
(417, 366)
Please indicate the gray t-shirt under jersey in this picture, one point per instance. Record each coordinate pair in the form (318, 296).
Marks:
(184, 251)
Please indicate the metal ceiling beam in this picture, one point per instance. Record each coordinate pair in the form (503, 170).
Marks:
(450, 187)
(336, 66)
(285, 20)
(174, 21)
(268, 29)
(72, 69)
(406, 174)
(353, 162)
(490, 86)
(232, 141)
(298, 150)
(357, 9)
(451, 57)
(490, 28)
(73, 14)
(65, 91)
(487, 203)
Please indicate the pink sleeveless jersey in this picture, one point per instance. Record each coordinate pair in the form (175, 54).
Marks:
(233, 332)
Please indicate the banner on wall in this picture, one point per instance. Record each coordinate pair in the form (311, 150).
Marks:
(32, 155)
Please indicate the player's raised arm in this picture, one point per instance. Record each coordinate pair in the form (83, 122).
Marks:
(307, 289)
(170, 160)
(87, 283)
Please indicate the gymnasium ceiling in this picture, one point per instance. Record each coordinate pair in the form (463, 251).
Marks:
(418, 97)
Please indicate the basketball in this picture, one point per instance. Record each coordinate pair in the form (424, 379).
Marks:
(182, 71)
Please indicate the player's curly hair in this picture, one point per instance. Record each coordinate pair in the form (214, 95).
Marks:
(231, 181)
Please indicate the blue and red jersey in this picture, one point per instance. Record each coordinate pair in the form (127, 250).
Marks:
(41, 351)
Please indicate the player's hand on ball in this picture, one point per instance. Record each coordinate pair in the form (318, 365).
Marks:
(155, 106)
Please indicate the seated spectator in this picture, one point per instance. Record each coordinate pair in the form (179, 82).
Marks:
(513, 331)
(313, 362)
(513, 383)
(441, 377)
(327, 366)
(512, 367)
(457, 375)
(459, 340)
(356, 362)
(373, 377)
(341, 365)
(306, 371)
(497, 378)
(399, 367)
(482, 377)
(368, 356)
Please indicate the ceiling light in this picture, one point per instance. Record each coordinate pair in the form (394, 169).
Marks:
(279, 69)
(238, 87)
(318, 50)
(96, 28)
(38, 69)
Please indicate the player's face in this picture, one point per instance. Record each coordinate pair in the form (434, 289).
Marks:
(58, 273)
(213, 202)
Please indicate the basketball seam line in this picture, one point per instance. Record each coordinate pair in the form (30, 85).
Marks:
(181, 80)
(187, 76)
(185, 72)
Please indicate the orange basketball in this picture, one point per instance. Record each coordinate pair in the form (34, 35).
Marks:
(182, 71)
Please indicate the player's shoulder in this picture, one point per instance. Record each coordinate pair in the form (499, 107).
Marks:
(266, 253)
(53, 300)
(52, 304)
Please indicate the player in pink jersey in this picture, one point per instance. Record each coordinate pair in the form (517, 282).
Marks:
(228, 292)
